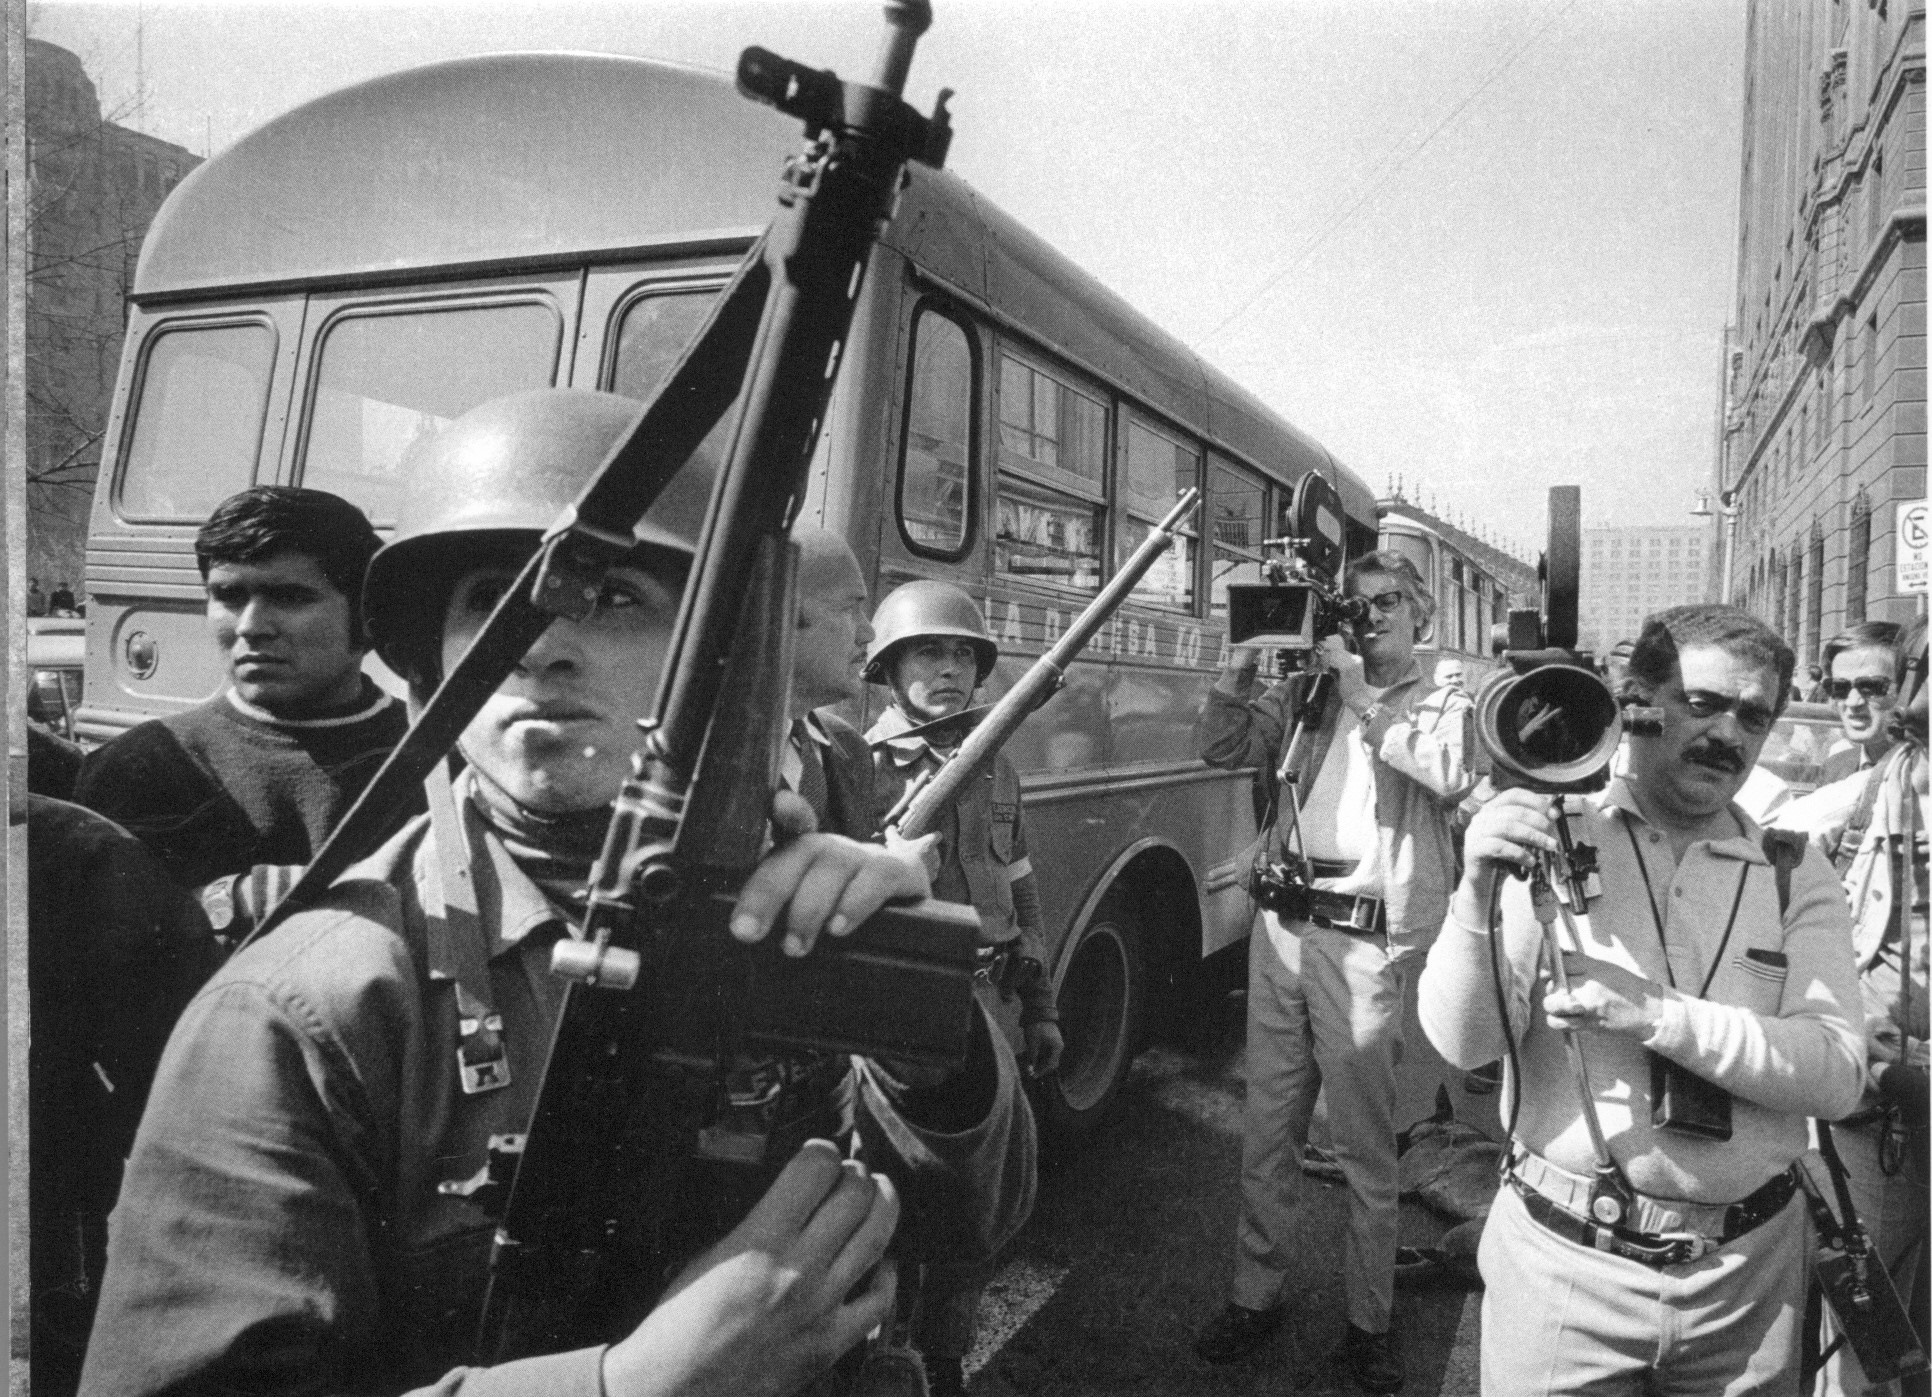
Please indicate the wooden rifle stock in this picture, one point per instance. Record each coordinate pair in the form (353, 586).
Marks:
(1042, 681)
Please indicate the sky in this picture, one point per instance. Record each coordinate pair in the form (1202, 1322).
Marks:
(1480, 246)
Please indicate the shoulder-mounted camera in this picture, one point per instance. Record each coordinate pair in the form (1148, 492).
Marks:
(1299, 603)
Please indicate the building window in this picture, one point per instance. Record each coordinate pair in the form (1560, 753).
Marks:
(1871, 357)
(936, 453)
(1814, 593)
(1053, 461)
(1858, 557)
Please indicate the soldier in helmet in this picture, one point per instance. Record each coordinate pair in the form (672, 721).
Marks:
(931, 649)
(295, 1215)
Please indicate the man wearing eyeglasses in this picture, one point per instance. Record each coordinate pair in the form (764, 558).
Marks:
(1859, 663)
(1365, 819)
(1872, 825)
(1714, 1007)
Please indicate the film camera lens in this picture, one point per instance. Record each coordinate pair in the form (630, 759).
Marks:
(1553, 728)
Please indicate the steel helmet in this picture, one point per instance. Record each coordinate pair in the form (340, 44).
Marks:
(927, 608)
(486, 488)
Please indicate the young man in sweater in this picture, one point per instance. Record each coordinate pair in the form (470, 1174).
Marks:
(261, 772)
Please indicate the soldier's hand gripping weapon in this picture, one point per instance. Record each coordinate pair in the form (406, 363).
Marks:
(919, 808)
(662, 996)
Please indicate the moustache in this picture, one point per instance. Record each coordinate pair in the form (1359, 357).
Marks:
(1717, 757)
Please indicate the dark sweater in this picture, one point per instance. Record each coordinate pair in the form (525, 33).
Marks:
(224, 787)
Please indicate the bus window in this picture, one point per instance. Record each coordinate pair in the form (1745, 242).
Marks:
(388, 380)
(650, 338)
(1053, 457)
(1472, 613)
(198, 427)
(1417, 550)
(1237, 509)
(936, 450)
(1157, 469)
(1449, 608)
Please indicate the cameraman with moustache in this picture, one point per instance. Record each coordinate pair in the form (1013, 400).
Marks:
(1368, 818)
(1701, 966)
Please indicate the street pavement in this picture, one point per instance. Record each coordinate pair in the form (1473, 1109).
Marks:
(1130, 1250)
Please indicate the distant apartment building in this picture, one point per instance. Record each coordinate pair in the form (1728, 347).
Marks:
(93, 186)
(1824, 377)
(1629, 572)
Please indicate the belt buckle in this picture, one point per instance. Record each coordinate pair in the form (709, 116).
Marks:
(1361, 914)
(1698, 1244)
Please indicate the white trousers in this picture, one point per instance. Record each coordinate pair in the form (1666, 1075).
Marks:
(1560, 1317)
(1324, 1010)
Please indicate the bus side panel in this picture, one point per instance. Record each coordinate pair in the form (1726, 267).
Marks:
(148, 651)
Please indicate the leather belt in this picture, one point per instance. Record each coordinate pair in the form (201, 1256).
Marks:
(991, 960)
(1661, 1248)
(1360, 916)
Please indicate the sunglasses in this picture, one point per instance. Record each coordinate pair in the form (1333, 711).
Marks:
(1754, 718)
(1386, 602)
(1872, 686)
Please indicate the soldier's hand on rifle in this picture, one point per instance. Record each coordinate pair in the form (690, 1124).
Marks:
(1044, 1045)
(821, 882)
(925, 849)
(774, 1304)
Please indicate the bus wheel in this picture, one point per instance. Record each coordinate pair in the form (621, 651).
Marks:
(1101, 1000)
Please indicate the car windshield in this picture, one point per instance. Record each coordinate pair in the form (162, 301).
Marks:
(1804, 735)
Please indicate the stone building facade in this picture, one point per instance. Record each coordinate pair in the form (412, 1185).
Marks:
(93, 188)
(1823, 431)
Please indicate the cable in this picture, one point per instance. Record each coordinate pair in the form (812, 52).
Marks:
(1376, 182)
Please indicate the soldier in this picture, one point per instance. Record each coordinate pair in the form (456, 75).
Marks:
(284, 1225)
(930, 647)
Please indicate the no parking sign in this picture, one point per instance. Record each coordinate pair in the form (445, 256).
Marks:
(1913, 530)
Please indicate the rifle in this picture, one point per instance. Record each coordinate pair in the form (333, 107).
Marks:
(661, 998)
(924, 801)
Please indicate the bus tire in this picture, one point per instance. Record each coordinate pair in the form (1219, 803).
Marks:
(1102, 1000)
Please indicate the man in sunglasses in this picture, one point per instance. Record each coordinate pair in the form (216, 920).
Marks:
(1872, 825)
(1712, 997)
(1859, 663)
(1364, 821)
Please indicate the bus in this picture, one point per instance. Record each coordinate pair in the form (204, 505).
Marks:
(1475, 585)
(366, 267)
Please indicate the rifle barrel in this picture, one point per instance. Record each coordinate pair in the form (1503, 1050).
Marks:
(1043, 680)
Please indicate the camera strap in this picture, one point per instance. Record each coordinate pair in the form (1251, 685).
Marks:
(1657, 920)
(1316, 705)
(455, 935)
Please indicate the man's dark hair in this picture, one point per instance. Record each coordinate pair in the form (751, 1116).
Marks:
(1866, 635)
(267, 520)
(1653, 659)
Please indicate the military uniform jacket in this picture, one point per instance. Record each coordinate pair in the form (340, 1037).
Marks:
(281, 1229)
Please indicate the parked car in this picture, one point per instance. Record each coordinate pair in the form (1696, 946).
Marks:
(1795, 752)
(56, 648)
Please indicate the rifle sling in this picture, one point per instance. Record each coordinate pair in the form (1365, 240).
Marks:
(456, 939)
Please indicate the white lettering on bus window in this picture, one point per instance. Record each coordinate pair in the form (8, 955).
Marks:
(1050, 627)
(1010, 633)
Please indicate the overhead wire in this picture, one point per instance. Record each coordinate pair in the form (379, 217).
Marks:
(1391, 164)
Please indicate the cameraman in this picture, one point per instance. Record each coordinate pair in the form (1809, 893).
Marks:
(1702, 965)
(1872, 826)
(1369, 809)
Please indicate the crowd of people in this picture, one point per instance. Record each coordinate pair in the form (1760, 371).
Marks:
(296, 1211)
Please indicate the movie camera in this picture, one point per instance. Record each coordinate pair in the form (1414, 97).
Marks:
(1299, 603)
(1546, 719)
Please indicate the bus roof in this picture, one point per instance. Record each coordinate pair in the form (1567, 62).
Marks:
(487, 162)
(477, 160)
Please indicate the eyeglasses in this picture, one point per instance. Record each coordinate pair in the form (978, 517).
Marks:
(1872, 686)
(1754, 718)
(1386, 602)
